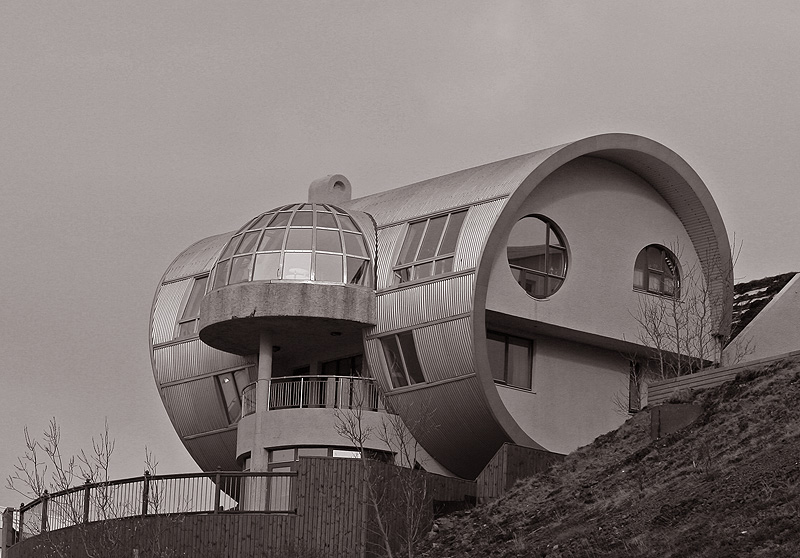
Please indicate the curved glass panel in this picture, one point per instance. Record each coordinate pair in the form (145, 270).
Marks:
(300, 242)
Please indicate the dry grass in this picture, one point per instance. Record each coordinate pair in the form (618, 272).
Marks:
(729, 485)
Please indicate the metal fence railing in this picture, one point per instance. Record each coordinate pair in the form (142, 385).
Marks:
(209, 493)
(333, 392)
(249, 399)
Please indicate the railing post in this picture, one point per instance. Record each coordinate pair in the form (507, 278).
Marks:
(86, 489)
(146, 493)
(301, 394)
(7, 536)
(45, 499)
(216, 492)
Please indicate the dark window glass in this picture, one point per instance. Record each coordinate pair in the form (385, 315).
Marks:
(281, 220)
(496, 348)
(537, 256)
(192, 309)
(408, 252)
(328, 268)
(357, 271)
(303, 219)
(234, 242)
(329, 241)
(347, 223)
(272, 240)
(433, 235)
(326, 220)
(394, 362)
(354, 244)
(299, 239)
(248, 242)
(410, 356)
(429, 245)
(221, 275)
(656, 271)
(240, 269)
(510, 359)
(451, 235)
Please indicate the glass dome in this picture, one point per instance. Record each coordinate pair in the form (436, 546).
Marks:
(299, 242)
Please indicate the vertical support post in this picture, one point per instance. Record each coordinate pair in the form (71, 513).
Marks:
(7, 536)
(21, 522)
(45, 500)
(146, 493)
(258, 461)
(86, 489)
(217, 481)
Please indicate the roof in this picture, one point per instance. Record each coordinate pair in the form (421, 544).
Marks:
(751, 297)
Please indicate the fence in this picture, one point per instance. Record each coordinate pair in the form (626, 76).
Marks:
(331, 392)
(222, 492)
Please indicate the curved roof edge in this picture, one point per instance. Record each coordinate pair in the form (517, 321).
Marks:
(668, 174)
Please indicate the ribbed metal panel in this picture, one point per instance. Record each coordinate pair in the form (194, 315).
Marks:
(193, 358)
(165, 310)
(214, 451)
(372, 354)
(454, 418)
(195, 407)
(457, 360)
(424, 303)
(387, 240)
(458, 189)
(199, 257)
(479, 222)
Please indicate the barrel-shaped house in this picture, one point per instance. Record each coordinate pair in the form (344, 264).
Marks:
(492, 305)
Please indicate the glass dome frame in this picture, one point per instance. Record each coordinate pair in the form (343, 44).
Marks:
(303, 242)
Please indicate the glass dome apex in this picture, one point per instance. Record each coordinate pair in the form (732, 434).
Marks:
(299, 242)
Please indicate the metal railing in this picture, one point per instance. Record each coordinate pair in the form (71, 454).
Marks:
(325, 392)
(249, 399)
(198, 493)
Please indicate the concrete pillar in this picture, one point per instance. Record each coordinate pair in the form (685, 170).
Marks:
(258, 458)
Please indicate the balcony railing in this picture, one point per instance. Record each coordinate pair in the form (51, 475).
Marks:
(317, 392)
(221, 492)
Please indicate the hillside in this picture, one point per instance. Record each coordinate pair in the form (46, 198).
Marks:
(728, 485)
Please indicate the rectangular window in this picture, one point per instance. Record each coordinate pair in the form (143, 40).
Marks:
(402, 360)
(510, 359)
(231, 385)
(429, 247)
(190, 317)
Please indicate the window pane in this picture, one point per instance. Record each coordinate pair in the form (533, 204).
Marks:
(443, 266)
(354, 244)
(297, 265)
(451, 235)
(496, 348)
(312, 452)
(553, 285)
(423, 270)
(535, 285)
(558, 262)
(326, 220)
(261, 222)
(242, 378)
(240, 269)
(519, 362)
(432, 235)
(303, 219)
(669, 286)
(229, 395)
(248, 243)
(187, 328)
(281, 455)
(281, 220)
(410, 355)
(234, 242)
(639, 270)
(347, 223)
(655, 258)
(267, 267)
(654, 282)
(329, 241)
(392, 353)
(402, 275)
(409, 250)
(192, 308)
(350, 454)
(357, 271)
(299, 239)
(221, 276)
(329, 268)
(272, 240)
(330, 368)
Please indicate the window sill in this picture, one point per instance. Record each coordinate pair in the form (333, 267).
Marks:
(659, 295)
(516, 388)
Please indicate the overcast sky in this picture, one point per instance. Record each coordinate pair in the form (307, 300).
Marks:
(129, 130)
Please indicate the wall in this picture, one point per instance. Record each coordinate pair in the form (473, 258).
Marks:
(607, 215)
(576, 389)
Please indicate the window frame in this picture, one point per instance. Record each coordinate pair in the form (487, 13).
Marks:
(530, 366)
(218, 379)
(409, 379)
(182, 319)
(669, 260)
(413, 263)
(551, 228)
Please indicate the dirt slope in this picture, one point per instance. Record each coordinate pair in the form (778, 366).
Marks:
(728, 485)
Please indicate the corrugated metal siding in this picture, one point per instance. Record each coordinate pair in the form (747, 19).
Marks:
(453, 418)
(387, 240)
(193, 358)
(199, 257)
(458, 189)
(423, 303)
(216, 450)
(165, 310)
(476, 228)
(372, 353)
(457, 360)
(195, 406)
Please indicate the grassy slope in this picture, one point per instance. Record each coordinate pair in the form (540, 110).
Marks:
(728, 485)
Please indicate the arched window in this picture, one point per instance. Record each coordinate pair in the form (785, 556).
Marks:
(656, 271)
(537, 255)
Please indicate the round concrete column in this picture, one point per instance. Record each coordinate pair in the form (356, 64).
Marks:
(258, 459)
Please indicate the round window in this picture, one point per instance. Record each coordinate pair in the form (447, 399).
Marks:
(537, 255)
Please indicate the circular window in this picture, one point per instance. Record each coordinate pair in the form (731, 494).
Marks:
(537, 255)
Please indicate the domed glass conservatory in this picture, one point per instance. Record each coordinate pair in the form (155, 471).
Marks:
(299, 242)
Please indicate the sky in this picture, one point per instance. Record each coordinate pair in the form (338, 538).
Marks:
(129, 130)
